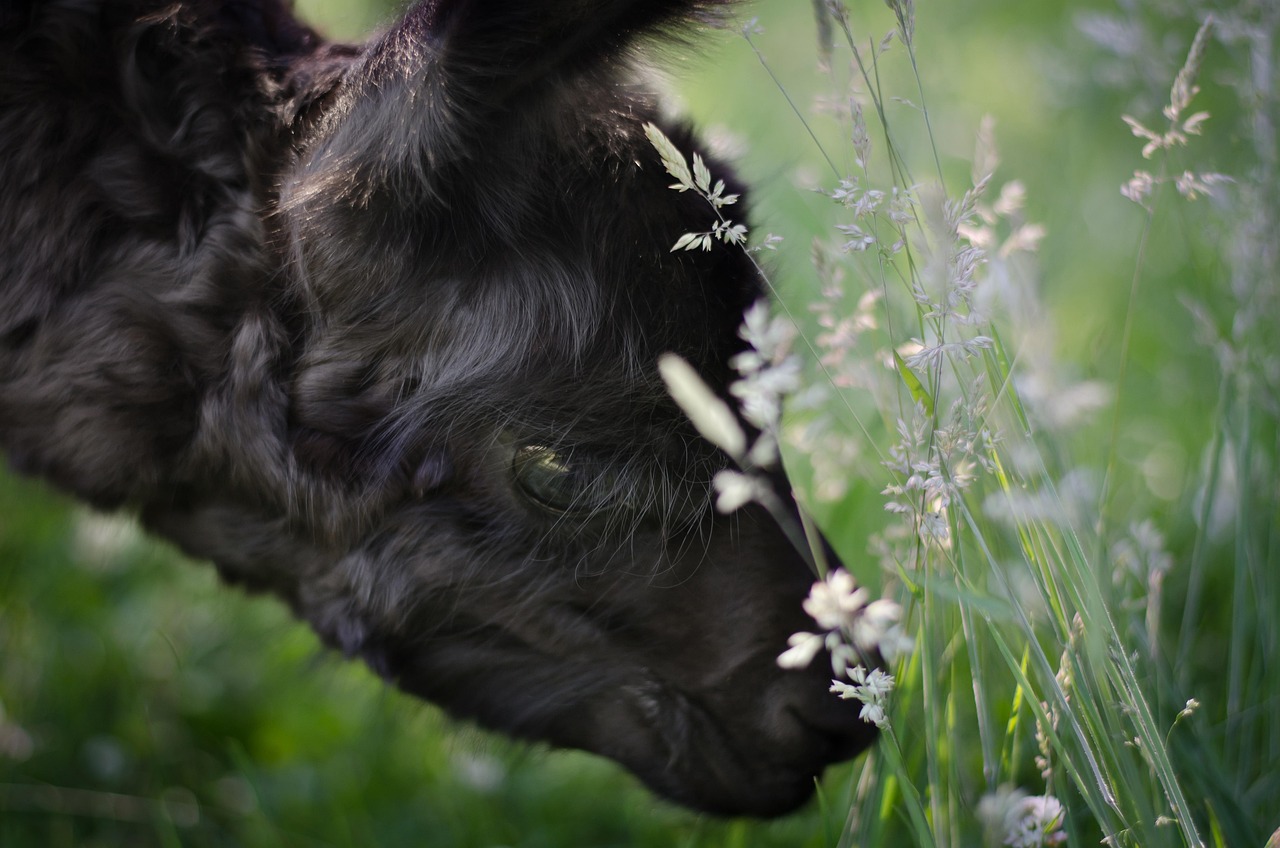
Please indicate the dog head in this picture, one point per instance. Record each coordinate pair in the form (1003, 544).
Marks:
(404, 333)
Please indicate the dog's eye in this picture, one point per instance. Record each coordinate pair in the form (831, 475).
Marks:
(561, 481)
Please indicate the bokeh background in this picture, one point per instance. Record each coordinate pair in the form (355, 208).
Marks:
(141, 703)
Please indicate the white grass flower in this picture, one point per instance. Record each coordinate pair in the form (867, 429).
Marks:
(1139, 187)
(803, 648)
(858, 135)
(771, 242)
(878, 618)
(1038, 823)
(843, 655)
(901, 207)
(894, 643)
(771, 337)
(1189, 184)
(905, 12)
(854, 627)
(734, 489)
(710, 415)
(873, 713)
(768, 371)
(859, 240)
(1020, 820)
(697, 179)
(693, 241)
(998, 812)
(1184, 84)
(1155, 140)
(878, 684)
(729, 232)
(935, 528)
(871, 688)
(764, 453)
(835, 602)
(761, 392)
(1013, 196)
(672, 158)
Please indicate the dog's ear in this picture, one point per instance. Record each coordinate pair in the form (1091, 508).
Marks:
(487, 54)
(452, 76)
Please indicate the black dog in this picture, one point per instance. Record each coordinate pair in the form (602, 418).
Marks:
(375, 329)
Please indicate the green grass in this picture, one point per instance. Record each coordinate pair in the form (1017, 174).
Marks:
(145, 704)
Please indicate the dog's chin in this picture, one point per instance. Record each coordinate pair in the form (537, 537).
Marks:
(714, 764)
(751, 742)
(761, 794)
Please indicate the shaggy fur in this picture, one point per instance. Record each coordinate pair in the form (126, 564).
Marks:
(310, 309)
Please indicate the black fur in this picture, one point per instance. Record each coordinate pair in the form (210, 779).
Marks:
(304, 308)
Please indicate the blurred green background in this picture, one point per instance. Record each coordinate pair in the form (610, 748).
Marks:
(143, 704)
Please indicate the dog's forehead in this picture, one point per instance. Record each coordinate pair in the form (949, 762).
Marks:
(572, 191)
(527, 306)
